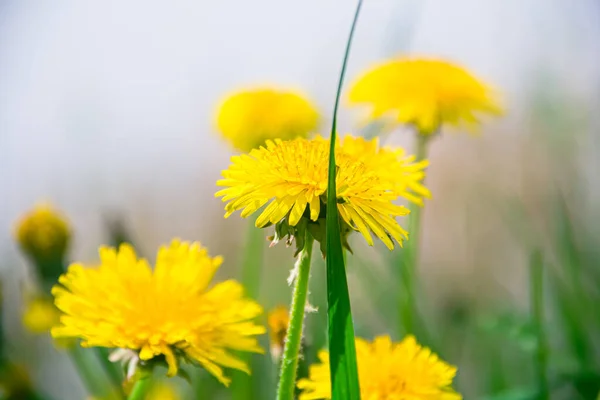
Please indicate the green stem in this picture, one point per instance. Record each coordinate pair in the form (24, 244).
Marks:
(251, 277)
(410, 259)
(139, 390)
(536, 282)
(289, 361)
(86, 371)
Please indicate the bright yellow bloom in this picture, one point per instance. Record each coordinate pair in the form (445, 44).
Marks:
(43, 233)
(278, 321)
(170, 311)
(388, 371)
(425, 92)
(40, 314)
(249, 118)
(292, 177)
(162, 391)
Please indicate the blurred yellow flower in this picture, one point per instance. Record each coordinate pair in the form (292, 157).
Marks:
(249, 118)
(292, 177)
(278, 321)
(169, 311)
(425, 92)
(386, 371)
(40, 314)
(162, 391)
(43, 233)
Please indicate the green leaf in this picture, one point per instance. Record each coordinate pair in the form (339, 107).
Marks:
(342, 353)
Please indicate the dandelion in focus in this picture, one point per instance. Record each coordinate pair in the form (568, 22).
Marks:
(386, 371)
(167, 314)
(278, 321)
(426, 93)
(290, 177)
(247, 119)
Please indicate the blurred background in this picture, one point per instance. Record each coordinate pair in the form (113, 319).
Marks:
(107, 110)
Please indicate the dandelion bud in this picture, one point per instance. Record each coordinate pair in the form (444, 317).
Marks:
(44, 235)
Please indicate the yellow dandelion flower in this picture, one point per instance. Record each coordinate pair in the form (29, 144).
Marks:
(169, 311)
(40, 314)
(386, 371)
(425, 92)
(249, 118)
(292, 177)
(43, 233)
(278, 321)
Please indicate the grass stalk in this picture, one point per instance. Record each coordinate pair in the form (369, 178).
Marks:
(342, 351)
(536, 282)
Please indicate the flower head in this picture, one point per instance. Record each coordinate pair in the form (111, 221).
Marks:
(388, 371)
(278, 321)
(167, 313)
(291, 177)
(425, 92)
(43, 234)
(249, 118)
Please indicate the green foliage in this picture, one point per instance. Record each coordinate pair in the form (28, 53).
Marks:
(342, 353)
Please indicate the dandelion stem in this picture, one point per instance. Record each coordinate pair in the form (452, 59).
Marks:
(536, 282)
(138, 392)
(410, 258)
(291, 350)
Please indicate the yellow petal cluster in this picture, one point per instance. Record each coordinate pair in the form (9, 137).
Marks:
(251, 117)
(387, 370)
(170, 311)
(290, 177)
(425, 92)
(43, 233)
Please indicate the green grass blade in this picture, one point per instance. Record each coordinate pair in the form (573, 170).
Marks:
(342, 353)
(536, 282)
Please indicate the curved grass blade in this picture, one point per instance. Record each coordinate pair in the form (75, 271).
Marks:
(342, 353)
